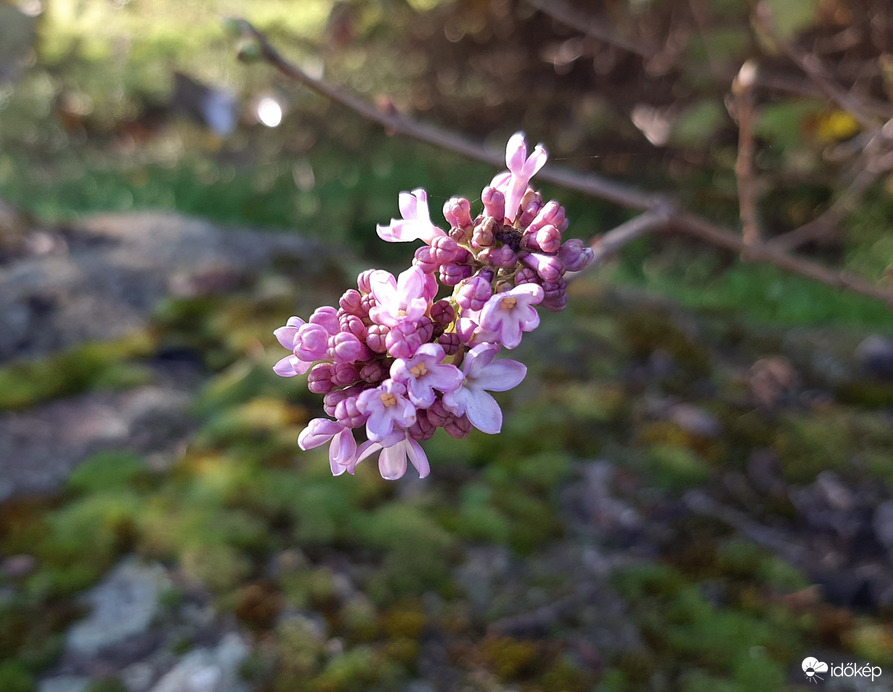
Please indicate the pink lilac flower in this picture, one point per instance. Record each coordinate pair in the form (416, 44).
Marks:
(380, 357)
(424, 372)
(398, 300)
(416, 222)
(392, 459)
(482, 374)
(386, 407)
(343, 448)
(522, 169)
(509, 313)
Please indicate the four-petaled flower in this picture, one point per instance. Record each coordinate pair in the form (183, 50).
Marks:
(416, 222)
(482, 374)
(398, 300)
(508, 314)
(387, 407)
(342, 451)
(424, 372)
(522, 168)
(392, 460)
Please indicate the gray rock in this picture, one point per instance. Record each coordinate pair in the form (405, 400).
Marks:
(39, 447)
(122, 605)
(112, 271)
(208, 669)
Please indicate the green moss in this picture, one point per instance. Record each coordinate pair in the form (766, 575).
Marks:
(107, 471)
(416, 549)
(14, 678)
(357, 670)
(510, 658)
(675, 468)
(89, 366)
(108, 684)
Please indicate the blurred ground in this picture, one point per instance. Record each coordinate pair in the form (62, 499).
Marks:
(676, 495)
(693, 487)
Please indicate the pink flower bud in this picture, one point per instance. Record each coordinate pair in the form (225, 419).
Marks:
(552, 213)
(458, 426)
(311, 342)
(530, 211)
(474, 292)
(375, 337)
(494, 203)
(526, 275)
(483, 233)
(457, 212)
(352, 324)
(363, 281)
(502, 256)
(424, 259)
(443, 313)
(450, 343)
(548, 267)
(326, 317)
(575, 255)
(403, 340)
(347, 413)
(344, 347)
(344, 374)
(319, 379)
(352, 302)
(374, 372)
(452, 274)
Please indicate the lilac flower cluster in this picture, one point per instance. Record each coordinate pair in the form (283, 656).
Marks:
(400, 361)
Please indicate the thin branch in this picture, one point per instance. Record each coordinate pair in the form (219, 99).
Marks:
(589, 26)
(590, 184)
(610, 243)
(744, 112)
(814, 69)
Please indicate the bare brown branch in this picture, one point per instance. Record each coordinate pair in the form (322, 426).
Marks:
(814, 69)
(589, 26)
(744, 112)
(662, 211)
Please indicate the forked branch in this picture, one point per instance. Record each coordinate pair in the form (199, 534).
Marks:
(662, 211)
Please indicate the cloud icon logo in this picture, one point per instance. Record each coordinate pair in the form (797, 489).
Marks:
(812, 667)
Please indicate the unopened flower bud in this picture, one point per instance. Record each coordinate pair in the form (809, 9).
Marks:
(375, 337)
(502, 256)
(404, 340)
(422, 429)
(444, 249)
(548, 267)
(344, 374)
(552, 213)
(525, 275)
(347, 413)
(344, 347)
(443, 313)
(352, 302)
(452, 274)
(472, 293)
(458, 427)
(530, 211)
(450, 343)
(424, 260)
(494, 203)
(319, 379)
(457, 212)
(352, 324)
(483, 233)
(363, 281)
(374, 372)
(547, 239)
(575, 255)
